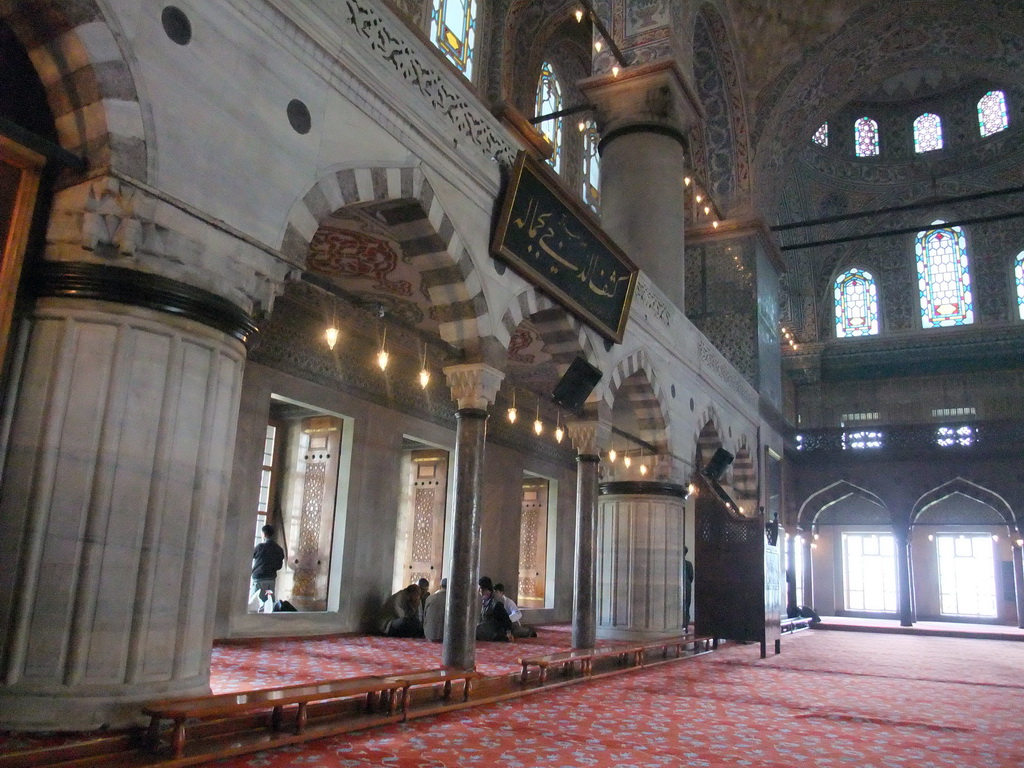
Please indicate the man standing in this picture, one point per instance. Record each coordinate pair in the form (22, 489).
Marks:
(267, 559)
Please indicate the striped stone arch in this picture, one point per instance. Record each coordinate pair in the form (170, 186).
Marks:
(454, 287)
(565, 337)
(708, 440)
(83, 72)
(970, 490)
(744, 475)
(644, 395)
(817, 502)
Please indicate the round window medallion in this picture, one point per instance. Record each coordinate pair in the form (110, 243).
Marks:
(176, 25)
(298, 116)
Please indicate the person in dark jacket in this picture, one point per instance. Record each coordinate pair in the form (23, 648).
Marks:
(267, 559)
(400, 614)
(494, 623)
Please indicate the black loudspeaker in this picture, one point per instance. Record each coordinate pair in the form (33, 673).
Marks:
(576, 384)
(718, 464)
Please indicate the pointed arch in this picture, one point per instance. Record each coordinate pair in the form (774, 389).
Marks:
(635, 381)
(820, 500)
(708, 441)
(970, 490)
(565, 336)
(83, 88)
(744, 474)
(449, 277)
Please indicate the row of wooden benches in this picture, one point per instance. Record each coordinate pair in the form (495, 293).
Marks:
(584, 658)
(382, 693)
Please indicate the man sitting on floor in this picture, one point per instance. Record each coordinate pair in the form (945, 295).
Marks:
(433, 614)
(494, 623)
(514, 614)
(400, 614)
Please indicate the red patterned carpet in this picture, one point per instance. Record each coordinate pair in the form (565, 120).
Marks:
(831, 699)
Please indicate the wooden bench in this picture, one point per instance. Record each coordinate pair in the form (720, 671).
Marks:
(567, 660)
(677, 643)
(444, 676)
(226, 705)
(794, 623)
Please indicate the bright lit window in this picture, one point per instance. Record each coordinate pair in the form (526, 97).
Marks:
(453, 29)
(266, 478)
(967, 576)
(820, 136)
(866, 137)
(949, 436)
(927, 133)
(869, 572)
(856, 304)
(591, 167)
(549, 100)
(943, 279)
(992, 115)
(858, 441)
(1018, 277)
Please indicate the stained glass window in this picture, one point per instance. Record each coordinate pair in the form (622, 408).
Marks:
(549, 100)
(992, 116)
(453, 28)
(866, 131)
(820, 136)
(927, 133)
(943, 279)
(856, 304)
(591, 167)
(1018, 274)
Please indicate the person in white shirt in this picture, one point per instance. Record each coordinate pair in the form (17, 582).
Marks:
(516, 615)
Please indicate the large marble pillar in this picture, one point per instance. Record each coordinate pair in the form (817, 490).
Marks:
(122, 410)
(586, 437)
(906, 604)
(474, 386)
(1018, 579)
(640, 559)
(644, 115)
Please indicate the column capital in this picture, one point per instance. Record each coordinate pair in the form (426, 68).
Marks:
(473, 385)
(588, 435)
(655, 94)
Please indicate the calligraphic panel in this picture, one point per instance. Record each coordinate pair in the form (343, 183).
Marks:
(555, 242)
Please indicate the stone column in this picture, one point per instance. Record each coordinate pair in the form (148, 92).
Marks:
(806, 540)
(585, 436)
(644, 116)
(1018, 580)
(122, 409)
(473, 386)
(906, 606)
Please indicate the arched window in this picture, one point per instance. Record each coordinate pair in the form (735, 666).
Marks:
(591, 167)
(856, 302)
(453, 30)
(927, 133)
(866, 135)
(992, 116)
(1018, 274)
(943, 279)
(820, 136)
(549, 99)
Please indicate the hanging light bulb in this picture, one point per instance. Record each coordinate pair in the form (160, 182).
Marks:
(382, 356)
(332, 336)
(714, 224)
(698, 198)
(512, 413)
(612, 455)
(559, 432)
(626, 461)
(687, 180)
(424, 373)
(538, 425)
(615, 71)
(707, 209)
(579, 15)
(597, 46)
(582, 126)
(643, 469)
